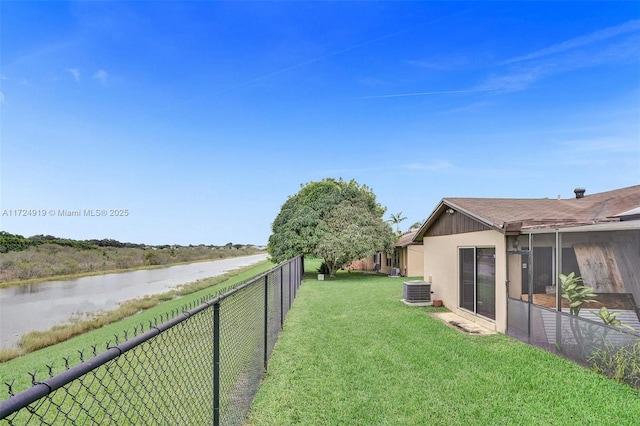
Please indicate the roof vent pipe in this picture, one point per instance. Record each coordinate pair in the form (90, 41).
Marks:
(579, 192)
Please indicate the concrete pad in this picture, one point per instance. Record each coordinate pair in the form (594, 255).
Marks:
(408, 303)
(462, 324)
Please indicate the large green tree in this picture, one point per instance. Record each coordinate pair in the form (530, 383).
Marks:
(335, 220)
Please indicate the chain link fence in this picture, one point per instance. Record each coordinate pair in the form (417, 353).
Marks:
(202, 366)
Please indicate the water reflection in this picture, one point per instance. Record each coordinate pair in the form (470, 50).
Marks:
(28, 289)
(41, 306)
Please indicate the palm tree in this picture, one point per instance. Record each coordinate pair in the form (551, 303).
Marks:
(415, 226)
(396, 219)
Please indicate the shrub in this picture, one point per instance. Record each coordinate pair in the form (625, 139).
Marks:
(151, 258)
(323, 269)
(620, 364)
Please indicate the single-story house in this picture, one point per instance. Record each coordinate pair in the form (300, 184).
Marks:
(407, 259)
(497, 261)
(409, 255)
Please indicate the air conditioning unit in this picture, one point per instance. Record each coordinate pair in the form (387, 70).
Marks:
(395, 272)
(416, 292)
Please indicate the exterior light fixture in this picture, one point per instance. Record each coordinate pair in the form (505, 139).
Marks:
(450, 211)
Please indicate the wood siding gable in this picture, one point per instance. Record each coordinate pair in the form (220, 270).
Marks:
(456, 223)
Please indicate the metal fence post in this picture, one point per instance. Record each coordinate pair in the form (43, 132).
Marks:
(281, 298)
(266, 320)
(295, 289)
(216, 364)
(289, 290)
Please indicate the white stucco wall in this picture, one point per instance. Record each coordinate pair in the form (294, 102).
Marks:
(413, 260)
(441, 264)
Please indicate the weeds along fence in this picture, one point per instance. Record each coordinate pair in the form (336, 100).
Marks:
(612, 351)
(202, 366)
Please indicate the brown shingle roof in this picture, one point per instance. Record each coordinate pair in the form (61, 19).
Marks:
(406, 239)
(544, 212)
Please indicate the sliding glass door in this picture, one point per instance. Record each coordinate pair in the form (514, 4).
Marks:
(478, 280)
(468, 278)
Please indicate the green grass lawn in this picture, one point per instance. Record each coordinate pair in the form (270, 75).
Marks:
(351, 353)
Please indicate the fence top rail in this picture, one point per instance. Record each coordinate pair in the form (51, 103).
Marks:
(43, 388)
(40, 389)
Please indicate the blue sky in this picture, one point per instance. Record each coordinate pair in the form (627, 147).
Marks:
(200, 118)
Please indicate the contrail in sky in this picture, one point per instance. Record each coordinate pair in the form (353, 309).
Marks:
(441, 92)
(311, 61)
(335, 53)
(299, 65)
(627, 27)
(314, 60)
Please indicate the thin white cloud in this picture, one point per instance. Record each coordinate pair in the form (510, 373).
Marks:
(520, 76)
(428, 65)
(435, 165)
(75, 73)
(443, 63)
(54, 48)
(351, 171)
(437, 92)
(101, 76)
(608, 145)
(1, 98)
(371, 82)
(627, 27)
(311, 61)
(471, 107)
(512, 82)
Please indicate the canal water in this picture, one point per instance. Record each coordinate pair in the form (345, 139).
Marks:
(41, 306)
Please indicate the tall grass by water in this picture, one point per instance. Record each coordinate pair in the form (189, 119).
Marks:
(47, 261)
(351, 353)
(66, 343)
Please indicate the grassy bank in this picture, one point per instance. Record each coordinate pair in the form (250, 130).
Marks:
(18, 369)
(352, 353)
(31, 281)
(47, 261)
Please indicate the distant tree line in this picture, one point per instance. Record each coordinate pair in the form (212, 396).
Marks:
(15, 242)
